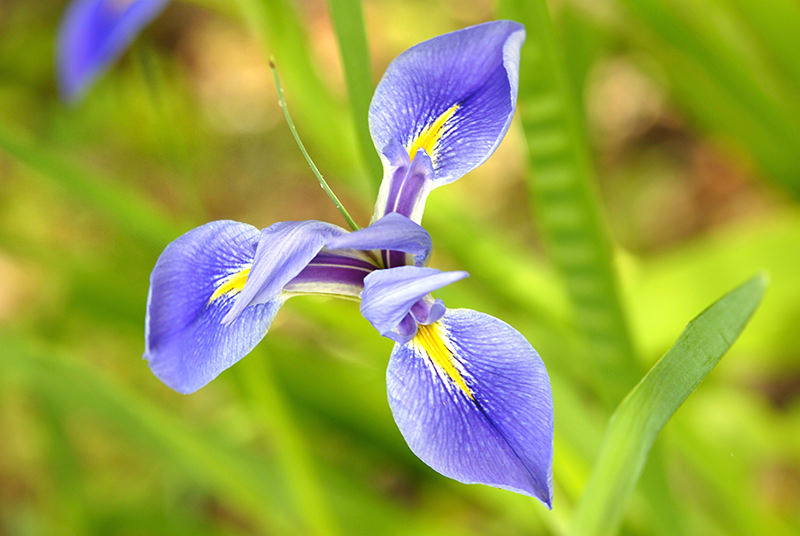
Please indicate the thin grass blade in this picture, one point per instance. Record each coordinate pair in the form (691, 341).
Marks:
(282, 33)
(726, 94)
(232, 473)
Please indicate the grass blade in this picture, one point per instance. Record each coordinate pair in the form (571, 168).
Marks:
(776, 24)
(566, 206)
(728, 95)
(348, 23)
(639, 418)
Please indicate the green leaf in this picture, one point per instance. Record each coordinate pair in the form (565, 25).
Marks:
(348, 22)
(566, 208)
(776, 24)
(638, 419)
(270, 410)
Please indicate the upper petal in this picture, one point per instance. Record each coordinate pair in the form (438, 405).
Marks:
(193, 285)
(389, 295)
(406, 186)
(453, 96)
(472, 399)
(284, 250)
(94, 33)
(393, 232)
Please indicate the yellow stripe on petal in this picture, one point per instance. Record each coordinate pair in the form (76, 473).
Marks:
(430, 340)
(232, 284)
(431, 134)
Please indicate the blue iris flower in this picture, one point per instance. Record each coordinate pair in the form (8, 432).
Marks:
(469, 394)
(93, 34)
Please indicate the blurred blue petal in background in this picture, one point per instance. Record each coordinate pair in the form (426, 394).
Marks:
(93, 34)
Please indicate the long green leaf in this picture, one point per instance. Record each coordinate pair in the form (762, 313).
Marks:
(776, 24)
(348, 22)
(638, 419)
(565, 203)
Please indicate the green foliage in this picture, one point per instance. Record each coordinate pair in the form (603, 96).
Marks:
(647, 408)
(561, 182)
(715, 52)
(641, 228)
(348, 22)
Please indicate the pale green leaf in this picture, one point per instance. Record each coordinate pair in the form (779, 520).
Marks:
(348, 22)
(647, 408)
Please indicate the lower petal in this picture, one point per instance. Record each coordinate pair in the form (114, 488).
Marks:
(472, 400)
(192, 287)
(389, 295)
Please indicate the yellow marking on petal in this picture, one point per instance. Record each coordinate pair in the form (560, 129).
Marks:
(233, 284)
(431, 134)
(430, 339)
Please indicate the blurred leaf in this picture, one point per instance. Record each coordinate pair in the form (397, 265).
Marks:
(720, 82)
(682, 280)
(776, 25)
(241, 478)
(319, 117)
(348, 22)
(566, 208)
(122, 205)
(64, 471)
(638, 419)
(266, 401)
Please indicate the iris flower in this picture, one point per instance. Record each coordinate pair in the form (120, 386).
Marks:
(469, 394)
(93, 34)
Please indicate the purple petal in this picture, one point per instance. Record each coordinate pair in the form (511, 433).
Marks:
(284, 250)
(428, 311)
(406, 189)
(186, 343)
(93, 34)
(472, 400)
(332, 274)
(453, 95)
(393, 232)
(389, 295)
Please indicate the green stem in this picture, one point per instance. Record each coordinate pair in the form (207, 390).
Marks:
(282, 101)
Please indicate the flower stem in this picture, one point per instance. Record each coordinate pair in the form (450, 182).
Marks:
(282, 101)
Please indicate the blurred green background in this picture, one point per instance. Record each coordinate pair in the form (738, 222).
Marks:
(684, 124)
